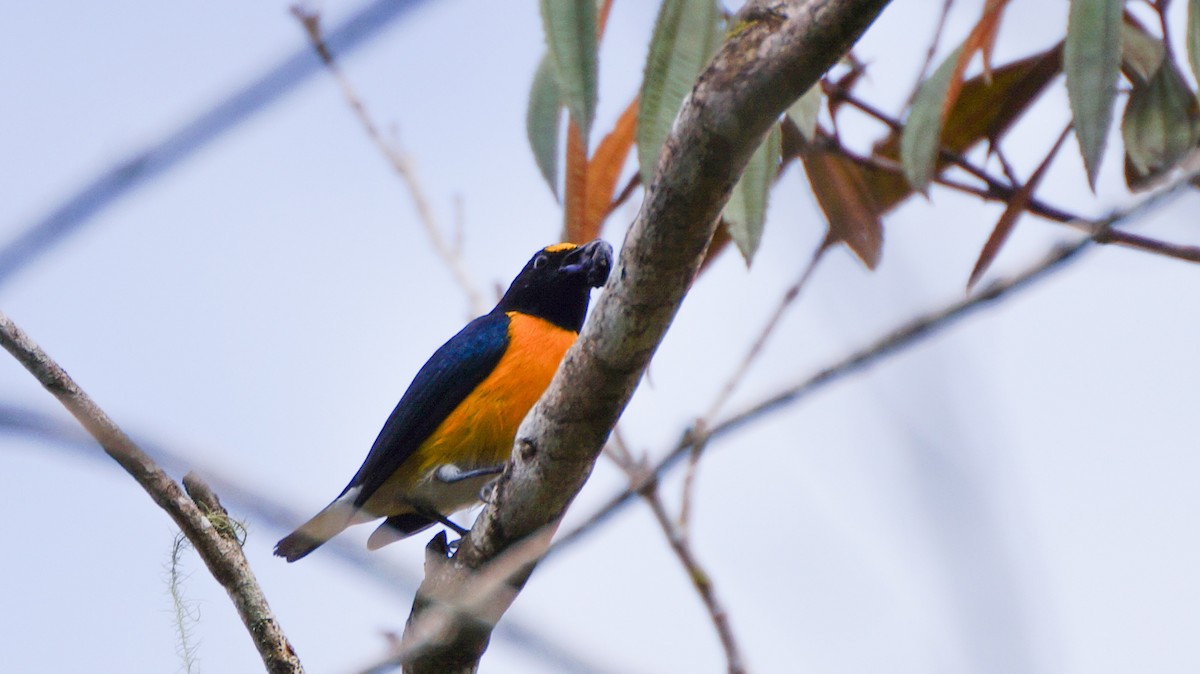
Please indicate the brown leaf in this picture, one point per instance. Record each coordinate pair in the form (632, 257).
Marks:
(844, 191)
(1012, 213)
(604, 169)
(983, 111)
(575, 185)
(602, 18)
(981, 39)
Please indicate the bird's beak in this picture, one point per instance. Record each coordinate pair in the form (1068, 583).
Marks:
(593, 258)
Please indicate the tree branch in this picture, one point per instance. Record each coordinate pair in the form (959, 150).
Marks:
(203, 521)
(776, 50)
(311, 22)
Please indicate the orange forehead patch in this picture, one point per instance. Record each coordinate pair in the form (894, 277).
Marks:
(560, 247)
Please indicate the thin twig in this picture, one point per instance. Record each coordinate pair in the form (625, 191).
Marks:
(701, 425)
(468, 601)
(181, 144)
(677, 538)
(998, 190)
(265, 512)
(635, 181)
(789, 297)
(400, 162)
(700, 432)
(700, 580)
(198, 519)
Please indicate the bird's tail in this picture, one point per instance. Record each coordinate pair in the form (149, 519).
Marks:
(398, 527)
(325, 525)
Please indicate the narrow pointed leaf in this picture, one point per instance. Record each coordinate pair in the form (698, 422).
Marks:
(570, 27)
(981, 39)
(747, 207)
(922, 134)
(806, 110)
(1193, 37)
(542, 122)
(603, 7)
(575, 184)
(1160, 126)
(983, 111)
(1012, 213)
(843, 191)
(1141, 52)
(686, 34)
(604, 169)
(1092, 59)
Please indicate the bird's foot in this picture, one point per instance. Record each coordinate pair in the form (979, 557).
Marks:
(450, 473)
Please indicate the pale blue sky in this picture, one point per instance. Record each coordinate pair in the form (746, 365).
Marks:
(1016, 494)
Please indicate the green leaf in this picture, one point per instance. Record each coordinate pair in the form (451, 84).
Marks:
(1193, 36)
(570, 27)
(1091, 60)
(542, 122)
(686, 34)
(922, 134)
(805, 111)
(1160, 126)
(1141, 52)
(747, 207)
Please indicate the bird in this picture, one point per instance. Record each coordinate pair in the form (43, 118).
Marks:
(453, 429)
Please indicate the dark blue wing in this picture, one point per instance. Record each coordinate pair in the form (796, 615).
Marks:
(450, 374)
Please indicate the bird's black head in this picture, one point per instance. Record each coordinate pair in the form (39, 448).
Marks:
(557, 280)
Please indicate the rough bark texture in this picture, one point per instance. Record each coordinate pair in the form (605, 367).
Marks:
(775, 51)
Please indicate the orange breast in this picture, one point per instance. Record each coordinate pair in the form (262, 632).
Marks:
(480, 431)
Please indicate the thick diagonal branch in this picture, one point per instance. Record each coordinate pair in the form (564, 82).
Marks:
(201, 517)
(775, 51)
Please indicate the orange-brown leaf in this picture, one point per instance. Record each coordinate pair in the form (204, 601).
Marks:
(1012, 213)
(602, 18)
(845, 194)
(604, 169)
(981, 39)
(983, 111)
(575, 185)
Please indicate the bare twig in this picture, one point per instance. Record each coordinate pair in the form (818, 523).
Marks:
(168, 152)
(400, 162)
(264, 511)
(635, 181)
(699, 431)
(789, 297)
(682, 548)
(472, 603)
(200, 519)
(677, 538)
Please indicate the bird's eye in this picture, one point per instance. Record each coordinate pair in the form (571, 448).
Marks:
(540, 261)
